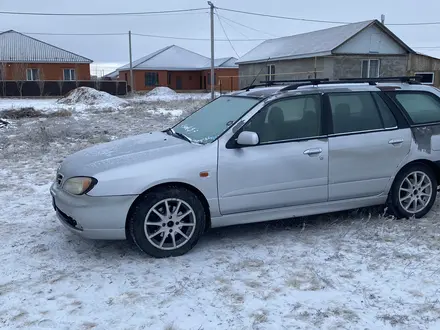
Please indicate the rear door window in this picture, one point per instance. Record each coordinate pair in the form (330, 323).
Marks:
(421, 107)
(355, 112)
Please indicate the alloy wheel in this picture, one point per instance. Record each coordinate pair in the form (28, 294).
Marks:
(415, 192)
(169, 224)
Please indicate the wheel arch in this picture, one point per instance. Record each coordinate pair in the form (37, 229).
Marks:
(191, 188)
(432, 165)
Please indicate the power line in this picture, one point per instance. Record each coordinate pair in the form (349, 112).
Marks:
(168, 37)
(246, 26)
(413, 24)
(136, 34)
(102, 14)
(75, 34)
(233, 28)
(226, 35)
(194, 39)
(317, 20)
(282, 17)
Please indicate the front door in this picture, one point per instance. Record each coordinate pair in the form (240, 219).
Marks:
(178, 82)
(366, 145)
(288, 167)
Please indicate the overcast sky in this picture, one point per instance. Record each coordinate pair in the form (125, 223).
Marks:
(110, 51)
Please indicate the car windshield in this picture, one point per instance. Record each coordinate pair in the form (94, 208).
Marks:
(206, 124)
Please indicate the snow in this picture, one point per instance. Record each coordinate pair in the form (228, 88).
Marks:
(350, 270)
(173, 112)
(87, 96)
(161, 91)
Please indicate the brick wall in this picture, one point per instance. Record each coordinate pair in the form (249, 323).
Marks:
(189, 80)
(228, 78)
(48, 71)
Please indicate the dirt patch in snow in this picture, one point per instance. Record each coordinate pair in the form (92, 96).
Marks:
(30, 112)
(92, 97)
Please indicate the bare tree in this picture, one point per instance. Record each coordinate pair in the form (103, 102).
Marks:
(117, 86)
(19, 72)
(60, 83)
(98, 83)
(41, 81)
(3, 77)
(77, 75)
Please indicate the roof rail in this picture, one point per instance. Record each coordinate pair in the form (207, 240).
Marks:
(403, 79)
(268, 83)
(370, 81)
(311, 80)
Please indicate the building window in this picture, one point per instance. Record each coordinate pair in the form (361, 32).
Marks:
(370, 68)
(427, 77)
(1, 74)
(190, 78)
(151, 79)
(270, 72)
(69, 74)
(169, 78)
(32, 74)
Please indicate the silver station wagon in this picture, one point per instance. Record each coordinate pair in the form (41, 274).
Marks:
(277, 151)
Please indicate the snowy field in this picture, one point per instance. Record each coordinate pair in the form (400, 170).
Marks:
(351, 270)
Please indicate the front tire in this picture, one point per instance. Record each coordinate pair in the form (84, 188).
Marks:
(413, 192)
(167, 222)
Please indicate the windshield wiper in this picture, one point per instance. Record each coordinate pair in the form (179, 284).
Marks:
(180, 135)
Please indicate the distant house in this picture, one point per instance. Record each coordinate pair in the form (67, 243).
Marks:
(26, 58)
(357, 50)
(180, 69)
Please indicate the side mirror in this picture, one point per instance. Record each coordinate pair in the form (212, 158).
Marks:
(247, 138)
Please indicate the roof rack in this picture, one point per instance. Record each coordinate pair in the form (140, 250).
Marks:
(272, 82)
(370, 81)
(268, 83)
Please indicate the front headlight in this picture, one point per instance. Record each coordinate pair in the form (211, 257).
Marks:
(79, 185)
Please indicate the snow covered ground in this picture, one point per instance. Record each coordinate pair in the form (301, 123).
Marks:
(351, 270)
(84, 100)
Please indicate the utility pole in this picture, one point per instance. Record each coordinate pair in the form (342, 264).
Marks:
(382, 19)
(131, 63)
(212, 50)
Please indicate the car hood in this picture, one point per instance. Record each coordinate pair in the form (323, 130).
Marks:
(126, 151)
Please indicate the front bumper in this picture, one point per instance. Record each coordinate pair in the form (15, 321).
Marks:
(92, 217)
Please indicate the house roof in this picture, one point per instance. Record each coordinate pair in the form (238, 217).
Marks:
(311, 44)
(178, 59)
(17, 47)
(113, 74)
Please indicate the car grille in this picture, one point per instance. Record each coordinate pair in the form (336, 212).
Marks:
(59, 179)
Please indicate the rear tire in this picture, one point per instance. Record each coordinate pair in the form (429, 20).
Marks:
(167, 222)
(413, 192)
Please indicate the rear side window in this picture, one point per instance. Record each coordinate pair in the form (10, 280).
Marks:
(389, 121)
(421, 107)
(356, 112)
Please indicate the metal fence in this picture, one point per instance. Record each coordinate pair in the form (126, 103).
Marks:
(59, 87)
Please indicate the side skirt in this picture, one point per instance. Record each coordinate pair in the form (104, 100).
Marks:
(295, 211)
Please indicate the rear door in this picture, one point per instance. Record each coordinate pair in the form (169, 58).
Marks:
(366, 145)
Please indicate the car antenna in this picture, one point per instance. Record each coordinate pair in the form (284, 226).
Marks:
(265, 65)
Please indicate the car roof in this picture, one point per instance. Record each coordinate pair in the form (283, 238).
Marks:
(282, 89)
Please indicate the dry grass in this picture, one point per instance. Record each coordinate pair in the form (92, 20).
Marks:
(333, 271)
(30, 112)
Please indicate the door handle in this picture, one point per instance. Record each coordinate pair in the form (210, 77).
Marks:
(395, 141)
(312, 151)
